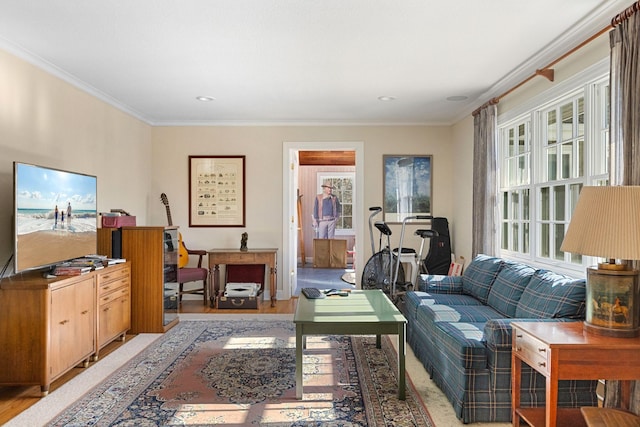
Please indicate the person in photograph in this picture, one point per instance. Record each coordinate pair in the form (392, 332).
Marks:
(326, 211)
(69, 213)
(55, 217)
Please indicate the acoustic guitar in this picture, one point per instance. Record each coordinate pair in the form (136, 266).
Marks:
(183, 255)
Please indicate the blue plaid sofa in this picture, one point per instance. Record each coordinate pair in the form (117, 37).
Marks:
(459, 329)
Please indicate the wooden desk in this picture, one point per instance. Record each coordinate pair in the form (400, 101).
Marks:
(563, 351)
(268, 257)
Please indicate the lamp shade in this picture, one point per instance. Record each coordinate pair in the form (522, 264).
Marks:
(606, 223)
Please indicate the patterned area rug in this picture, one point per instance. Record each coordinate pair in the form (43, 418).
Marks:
(242, 373)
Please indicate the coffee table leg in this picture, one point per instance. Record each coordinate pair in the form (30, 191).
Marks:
(378, 341)
(299, 361)
(402, 349)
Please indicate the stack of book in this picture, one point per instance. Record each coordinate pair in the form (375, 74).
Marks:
(65, 269)
(85, 264)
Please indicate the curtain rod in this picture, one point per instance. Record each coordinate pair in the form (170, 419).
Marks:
(625, 14)
(546, 72)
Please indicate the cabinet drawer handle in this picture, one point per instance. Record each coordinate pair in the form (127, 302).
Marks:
(542, 349)
(542, 364)
(106, 277)
(518, 348)
(106, 309)
(106, 288)
(85, 312)
(518, 335)
(64, 322)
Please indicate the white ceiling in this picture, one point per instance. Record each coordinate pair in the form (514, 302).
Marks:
(297, 61)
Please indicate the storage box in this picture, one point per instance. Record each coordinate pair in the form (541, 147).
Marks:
(239, 302)
(118, 221)
(329, 253)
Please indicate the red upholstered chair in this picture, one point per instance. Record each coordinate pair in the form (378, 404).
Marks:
(194, 274)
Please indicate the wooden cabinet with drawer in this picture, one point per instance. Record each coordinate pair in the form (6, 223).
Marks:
(47, 327)
(114, 304)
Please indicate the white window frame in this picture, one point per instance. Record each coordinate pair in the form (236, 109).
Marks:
(590, 83)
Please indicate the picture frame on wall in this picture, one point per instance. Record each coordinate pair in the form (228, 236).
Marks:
(217, 191)
(407, 186)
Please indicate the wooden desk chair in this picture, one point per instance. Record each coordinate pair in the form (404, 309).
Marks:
(609, 417)
(194, 274)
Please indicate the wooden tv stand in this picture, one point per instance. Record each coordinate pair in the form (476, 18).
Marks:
(49, 326)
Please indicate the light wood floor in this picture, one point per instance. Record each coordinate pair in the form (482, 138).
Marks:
(16, 399)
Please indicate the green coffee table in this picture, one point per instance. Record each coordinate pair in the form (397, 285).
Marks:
(367, 312)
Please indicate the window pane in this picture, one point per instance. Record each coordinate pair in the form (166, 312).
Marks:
(580, 117)
(505, 203)
(515, 235)
(581, 156)
(525, 204)
(523, 169)
(512, 142)
(505, 235)
(559, 236)
(559, 198)
(521, 139)
(567, 121)
(544, 204)
(544, 241)
(525, 238)
(552, 136)
(515, 205)
(567, 160)
(552, 164)
(513, 171)
(576, 258)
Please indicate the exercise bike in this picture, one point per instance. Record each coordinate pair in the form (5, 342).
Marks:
(381, 269)
(398, 285)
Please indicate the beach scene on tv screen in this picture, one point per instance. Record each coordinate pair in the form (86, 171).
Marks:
(55, 216)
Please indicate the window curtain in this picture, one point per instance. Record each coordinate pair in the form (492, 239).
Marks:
(484, 180)
(625, 141)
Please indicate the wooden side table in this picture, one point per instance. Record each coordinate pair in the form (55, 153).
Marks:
(268, 257)
(563, 351)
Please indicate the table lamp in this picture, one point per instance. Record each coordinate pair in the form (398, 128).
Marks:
(606, 224)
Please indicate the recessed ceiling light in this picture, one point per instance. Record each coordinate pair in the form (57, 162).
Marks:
(386, 98)
(457, 98)
(205, 98)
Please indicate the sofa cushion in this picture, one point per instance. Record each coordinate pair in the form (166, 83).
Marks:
(440, 284)
(455, 313)
(478, 278)
(552, 295)
(509, 286)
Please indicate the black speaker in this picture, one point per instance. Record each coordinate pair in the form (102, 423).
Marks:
(116, 243)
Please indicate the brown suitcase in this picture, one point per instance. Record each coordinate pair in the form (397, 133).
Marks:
(247, 273)
(239, 302)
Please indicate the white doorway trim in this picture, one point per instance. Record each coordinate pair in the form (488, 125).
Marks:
(289, 196)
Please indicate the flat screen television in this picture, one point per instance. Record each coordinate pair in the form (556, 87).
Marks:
(55, 216)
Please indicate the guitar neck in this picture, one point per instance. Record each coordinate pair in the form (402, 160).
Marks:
(169, 215)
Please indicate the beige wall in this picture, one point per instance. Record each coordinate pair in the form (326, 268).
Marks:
(46, 121)
(461, 217)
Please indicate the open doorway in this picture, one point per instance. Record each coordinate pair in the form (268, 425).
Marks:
(292, 252)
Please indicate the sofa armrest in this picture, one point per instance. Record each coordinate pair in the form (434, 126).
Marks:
(439, 284)
(497, 332)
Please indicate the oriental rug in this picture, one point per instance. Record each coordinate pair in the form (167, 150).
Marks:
(242, 373)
